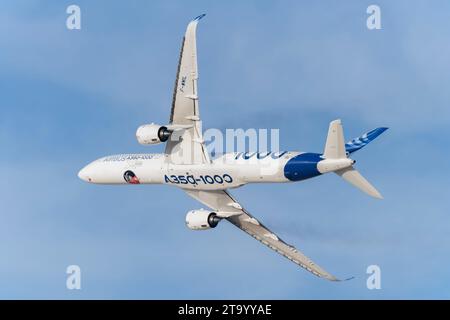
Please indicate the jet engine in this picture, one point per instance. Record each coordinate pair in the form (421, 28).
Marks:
(152, 134)
(201, 219)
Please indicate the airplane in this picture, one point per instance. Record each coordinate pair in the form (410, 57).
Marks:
(187, 164)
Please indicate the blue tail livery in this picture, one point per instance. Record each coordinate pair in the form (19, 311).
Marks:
(361, 141)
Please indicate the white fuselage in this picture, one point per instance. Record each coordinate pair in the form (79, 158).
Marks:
(228, 171)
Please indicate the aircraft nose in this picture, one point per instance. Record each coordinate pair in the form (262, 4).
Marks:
(83, 174)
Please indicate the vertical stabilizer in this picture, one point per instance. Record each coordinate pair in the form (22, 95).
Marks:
(336, 160)
(335, 145)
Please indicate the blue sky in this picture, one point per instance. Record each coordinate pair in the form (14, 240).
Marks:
(68, 97)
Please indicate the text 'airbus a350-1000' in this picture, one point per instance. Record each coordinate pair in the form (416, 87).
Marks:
(186, 164)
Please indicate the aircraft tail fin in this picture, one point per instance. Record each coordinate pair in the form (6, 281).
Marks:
(335, 145)
(336, 153)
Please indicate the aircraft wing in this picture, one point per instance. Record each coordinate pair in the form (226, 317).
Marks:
(226, 206)
(186, 143)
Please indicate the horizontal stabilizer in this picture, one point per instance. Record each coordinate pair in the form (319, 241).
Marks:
(355, 178)
(358, 143)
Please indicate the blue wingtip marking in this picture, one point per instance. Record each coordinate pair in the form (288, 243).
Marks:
(348, 279)
(342, 280)
(199, 17)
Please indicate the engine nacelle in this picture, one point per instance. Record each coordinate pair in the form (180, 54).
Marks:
(201, 219)
(152, 134)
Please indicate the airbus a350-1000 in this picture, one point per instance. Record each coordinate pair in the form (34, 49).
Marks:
(186, 164)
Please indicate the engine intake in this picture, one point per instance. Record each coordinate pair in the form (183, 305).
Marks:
(152, 134)
(201, 219)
